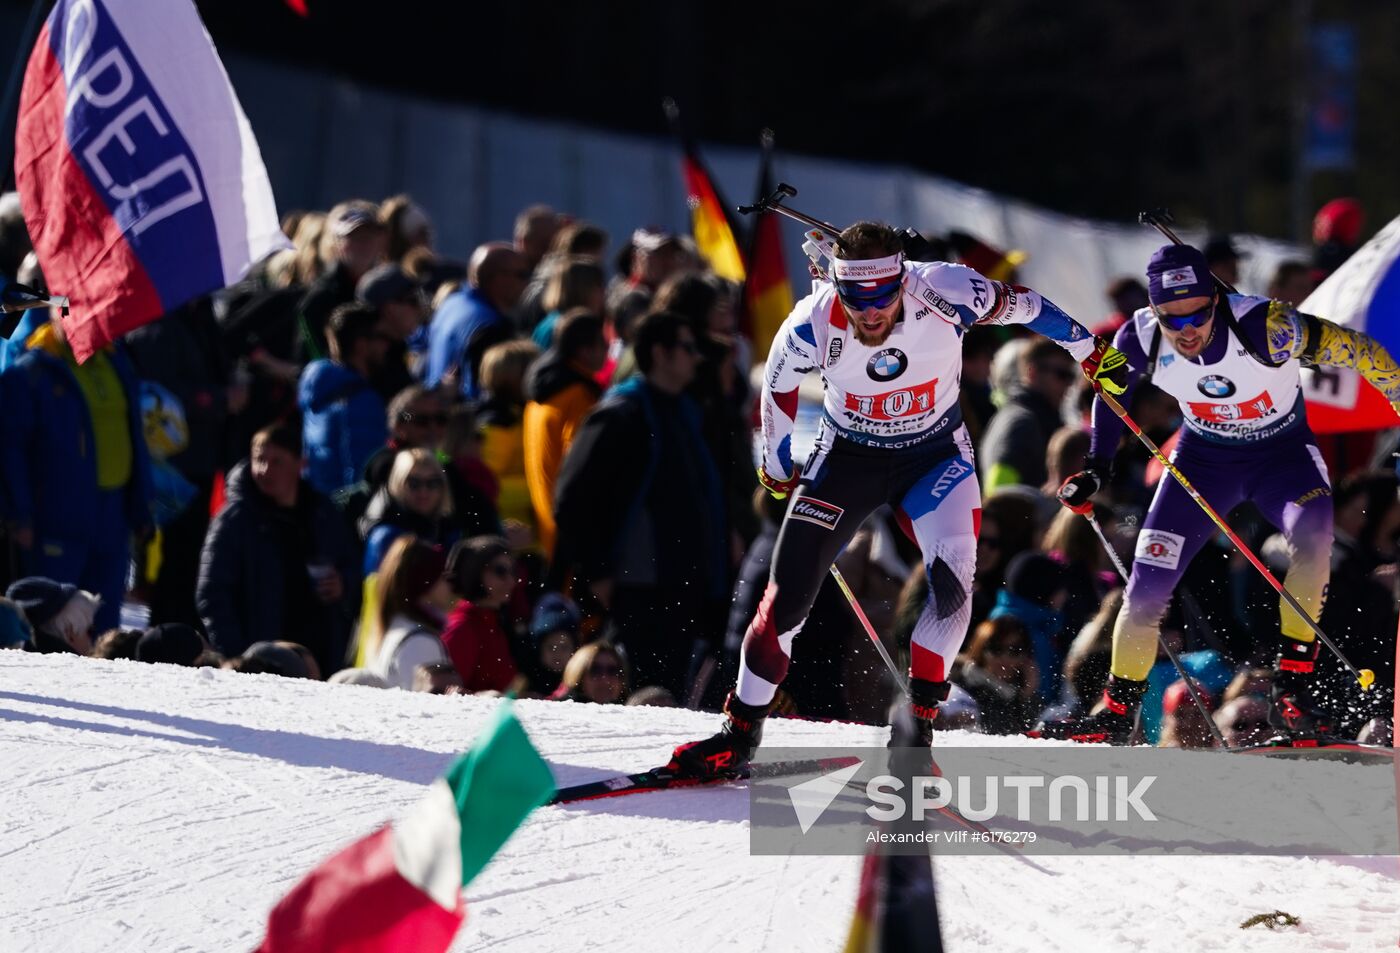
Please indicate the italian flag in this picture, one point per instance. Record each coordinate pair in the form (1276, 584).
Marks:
(400, 888)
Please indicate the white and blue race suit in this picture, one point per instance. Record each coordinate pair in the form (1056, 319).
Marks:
(891, 433)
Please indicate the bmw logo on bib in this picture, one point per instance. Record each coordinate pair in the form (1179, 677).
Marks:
(1216, 386)
(887, 365)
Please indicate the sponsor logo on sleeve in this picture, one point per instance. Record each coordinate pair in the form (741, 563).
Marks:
(940, 304)
(812, 510)
(1179, 277)
(1157, 547)
(833, 350)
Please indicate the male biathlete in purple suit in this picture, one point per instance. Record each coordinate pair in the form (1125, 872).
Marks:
(1231, 361)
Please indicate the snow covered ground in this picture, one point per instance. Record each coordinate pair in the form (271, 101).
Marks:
(152, 808)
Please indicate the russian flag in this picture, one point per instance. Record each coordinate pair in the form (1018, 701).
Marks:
(138, 174)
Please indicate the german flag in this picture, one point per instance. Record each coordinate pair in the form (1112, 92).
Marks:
(767, 293)
(709, 220)
(896, 907)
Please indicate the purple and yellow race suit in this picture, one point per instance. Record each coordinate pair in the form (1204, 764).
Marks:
(1245, 437)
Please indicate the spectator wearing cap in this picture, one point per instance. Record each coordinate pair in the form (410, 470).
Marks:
(353, 242)
(414, 598)
(1183, 725)
(482, 575)
(75, 474)
(60, 614)
(554, 633)
(1223, 259)
(1336, 235)
(402, 308)
(171, 643)
(472, 319)
(561, 389)
(343, 418)
(649, 259)
(279, 559)
(15, 630)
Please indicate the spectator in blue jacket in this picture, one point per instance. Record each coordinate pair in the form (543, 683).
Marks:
(343, 417)
(75, 482)
(474, 318)
(279, 561)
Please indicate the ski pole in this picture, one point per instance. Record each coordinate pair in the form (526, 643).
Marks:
(1161, 639)
(1161, 219)
(1364, 676)
(869, 629)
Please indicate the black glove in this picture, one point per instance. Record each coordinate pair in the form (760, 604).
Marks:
(919, 248)
(1079, 487)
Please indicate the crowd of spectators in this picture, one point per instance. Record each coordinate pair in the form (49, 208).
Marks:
(532, 471)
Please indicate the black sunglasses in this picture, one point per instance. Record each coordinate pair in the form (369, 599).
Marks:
(426, 420)
(424, 483)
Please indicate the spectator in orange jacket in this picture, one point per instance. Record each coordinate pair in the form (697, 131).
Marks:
(560, 391)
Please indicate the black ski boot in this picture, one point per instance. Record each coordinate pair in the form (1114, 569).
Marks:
(1112, 723)
(1295, 711)
(924, 699)
(726, 751)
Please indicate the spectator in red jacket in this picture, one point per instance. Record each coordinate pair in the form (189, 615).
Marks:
(482, 573)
